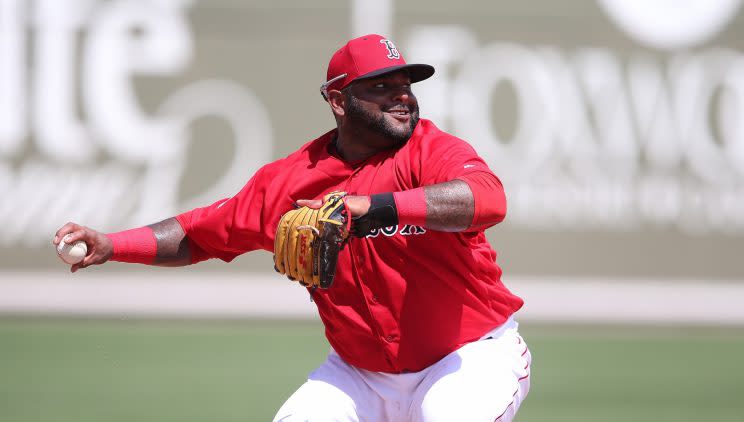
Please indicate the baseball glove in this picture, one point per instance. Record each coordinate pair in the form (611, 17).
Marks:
(308, 241)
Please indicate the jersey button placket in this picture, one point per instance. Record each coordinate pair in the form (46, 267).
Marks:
(349, 181)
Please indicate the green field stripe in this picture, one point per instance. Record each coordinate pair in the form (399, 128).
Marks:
(76, 370)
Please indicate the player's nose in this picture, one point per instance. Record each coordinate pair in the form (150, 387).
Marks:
(402, 95)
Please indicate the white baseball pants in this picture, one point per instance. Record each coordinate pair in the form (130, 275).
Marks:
(486, 380)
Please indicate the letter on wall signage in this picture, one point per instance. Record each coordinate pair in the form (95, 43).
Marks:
(13, 103)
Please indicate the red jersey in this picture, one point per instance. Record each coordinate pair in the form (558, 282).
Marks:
(403, 297)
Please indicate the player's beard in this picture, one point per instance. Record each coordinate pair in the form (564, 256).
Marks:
(378, 124)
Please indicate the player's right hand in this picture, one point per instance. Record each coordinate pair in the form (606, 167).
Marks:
(100, 247)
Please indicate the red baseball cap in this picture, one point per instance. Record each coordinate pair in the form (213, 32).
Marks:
(367, 57)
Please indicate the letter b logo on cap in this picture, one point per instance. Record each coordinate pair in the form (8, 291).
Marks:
(392, 51)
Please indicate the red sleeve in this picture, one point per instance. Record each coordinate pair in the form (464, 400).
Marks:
(448, 158)
(231, 226)
(489, 198)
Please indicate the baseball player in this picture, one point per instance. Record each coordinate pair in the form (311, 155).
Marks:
(383, 219)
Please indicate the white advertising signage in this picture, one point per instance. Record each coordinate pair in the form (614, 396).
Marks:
(606, 120)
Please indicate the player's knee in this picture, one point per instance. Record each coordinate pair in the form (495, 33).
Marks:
(319, 412)
(317, 401)
(446, 408)
(472, 396)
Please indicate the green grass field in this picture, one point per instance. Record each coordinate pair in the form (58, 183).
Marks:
(242, 371)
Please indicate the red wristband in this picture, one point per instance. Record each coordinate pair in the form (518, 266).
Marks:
(411, 205)
(137, 246)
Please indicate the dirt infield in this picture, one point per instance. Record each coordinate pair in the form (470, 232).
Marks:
(220, 295)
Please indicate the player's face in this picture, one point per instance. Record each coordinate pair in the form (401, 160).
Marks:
(384, 105)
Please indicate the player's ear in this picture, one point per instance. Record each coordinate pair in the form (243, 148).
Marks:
(337, 101)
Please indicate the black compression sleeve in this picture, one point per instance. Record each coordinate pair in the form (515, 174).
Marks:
(382, 213)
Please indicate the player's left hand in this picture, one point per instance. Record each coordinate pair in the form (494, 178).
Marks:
(357, 205)
(308, 239)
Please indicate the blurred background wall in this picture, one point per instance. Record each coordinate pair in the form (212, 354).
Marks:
(615, 126)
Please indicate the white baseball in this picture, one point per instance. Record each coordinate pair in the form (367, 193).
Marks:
(72, 254)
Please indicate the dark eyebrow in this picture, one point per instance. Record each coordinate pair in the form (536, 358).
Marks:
(375, 81)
